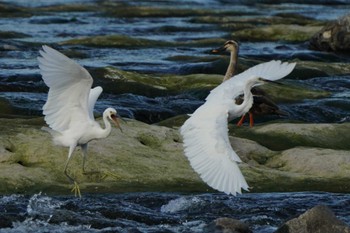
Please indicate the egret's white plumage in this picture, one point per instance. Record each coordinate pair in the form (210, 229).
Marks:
(69, 107)
(205, 133)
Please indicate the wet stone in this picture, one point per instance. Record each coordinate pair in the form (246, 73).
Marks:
(318, 219)
(227, 225)
(333, 37)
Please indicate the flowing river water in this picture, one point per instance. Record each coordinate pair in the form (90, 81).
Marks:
(158, 212)
(33, 23)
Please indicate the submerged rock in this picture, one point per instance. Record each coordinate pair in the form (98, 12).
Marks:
(114, 41)
(316, 220)
(122, 41)
(335, 36)
(12, 34)
(291, 33)
(227, 225)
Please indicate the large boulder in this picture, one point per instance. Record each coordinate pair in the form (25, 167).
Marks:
(150, 158)
(319, 219)
(143, 157)
(227, 225)
(335, 36)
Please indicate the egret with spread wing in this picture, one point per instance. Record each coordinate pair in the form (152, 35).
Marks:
(205, 133)
(69, 107)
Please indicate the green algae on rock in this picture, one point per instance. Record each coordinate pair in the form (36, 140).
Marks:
(122, 159)
(310, 69)
(282, 136)
(123, 41)
(278, 32)
(12, 34)
(147, 11)
(295, 92)
(160, 84)
(131, 161)
(119, 41)
(168, 83)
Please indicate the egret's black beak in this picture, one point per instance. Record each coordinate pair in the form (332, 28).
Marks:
(115, 118)
(273, 82)
(266, 81)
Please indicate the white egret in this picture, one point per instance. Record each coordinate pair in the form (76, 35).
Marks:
(262, 105)
(205, 133)
(69, 107)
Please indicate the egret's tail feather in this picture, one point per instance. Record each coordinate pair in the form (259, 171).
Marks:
(55, 134)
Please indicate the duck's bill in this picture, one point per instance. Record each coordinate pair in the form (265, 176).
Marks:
(219, 50)
(115, 119)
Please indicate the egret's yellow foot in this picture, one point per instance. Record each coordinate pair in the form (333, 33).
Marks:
(113, 175)
(93, 172)
(76, 189)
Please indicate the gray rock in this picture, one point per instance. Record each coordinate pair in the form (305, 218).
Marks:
(150, 158)
(333, 37)
(227, 225)
(319, 219)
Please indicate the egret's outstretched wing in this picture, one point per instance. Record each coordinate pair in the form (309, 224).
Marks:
(93, 96)
(69, 85)
(207, 147)
(205, 135)
(272, 70)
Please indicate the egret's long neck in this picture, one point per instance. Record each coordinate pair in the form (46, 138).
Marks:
(247, 101)
(107, 130)
(232, 66)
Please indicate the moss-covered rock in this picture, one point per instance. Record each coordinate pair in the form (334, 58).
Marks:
(158, 83)
(10, 10)
(282, 136)
(11, 35)
(150, 158)
(148, 11)
(144, 156)
(122, 41)
(119, 41)
(310, 69)
(277, 32)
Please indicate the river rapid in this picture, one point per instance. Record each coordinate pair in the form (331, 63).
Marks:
(158, 212)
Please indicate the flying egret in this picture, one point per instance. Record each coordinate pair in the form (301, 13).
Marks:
(262, 105)
(205, 133)
(69, 107)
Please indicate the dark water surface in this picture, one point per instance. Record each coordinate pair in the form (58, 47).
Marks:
(20, 82)
(158, 212)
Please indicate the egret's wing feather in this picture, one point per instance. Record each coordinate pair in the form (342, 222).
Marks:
(94, 94)
(230, 89)
(209, 151)
(69, 85)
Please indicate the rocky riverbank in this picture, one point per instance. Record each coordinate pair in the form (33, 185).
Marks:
(276, 157)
